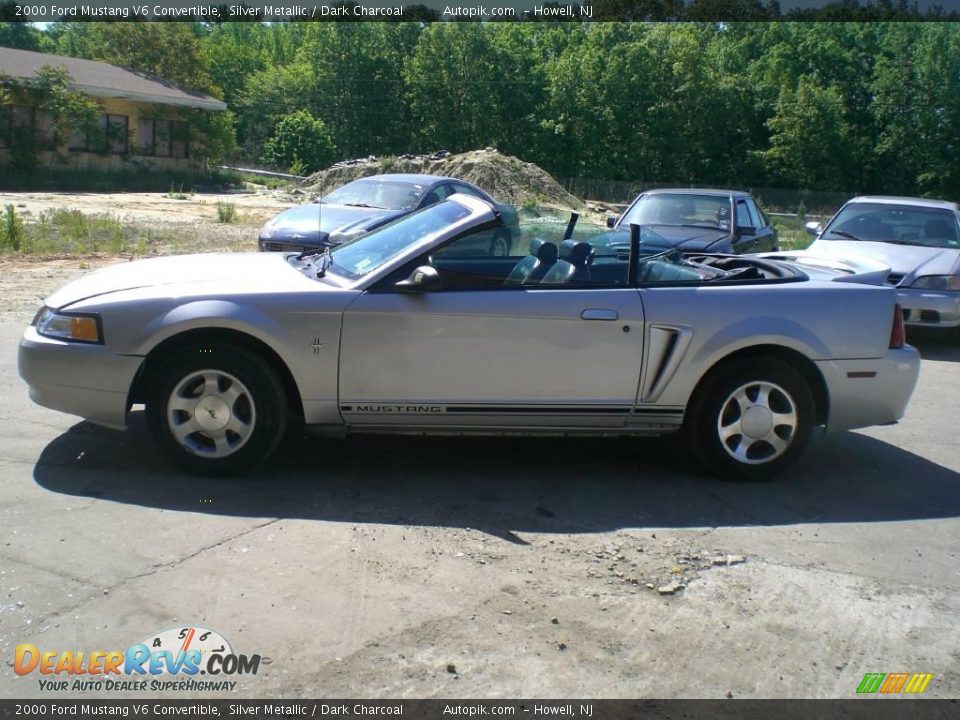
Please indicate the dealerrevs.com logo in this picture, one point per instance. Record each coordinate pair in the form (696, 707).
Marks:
(894, 683)
(170, 660)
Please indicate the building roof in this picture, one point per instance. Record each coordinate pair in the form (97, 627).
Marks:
(103, 80)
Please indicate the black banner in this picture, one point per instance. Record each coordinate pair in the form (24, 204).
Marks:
(45, 11)
(730, 709)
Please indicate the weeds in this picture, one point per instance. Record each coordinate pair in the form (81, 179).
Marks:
(179, 195)
(11, 233)
(226, 212)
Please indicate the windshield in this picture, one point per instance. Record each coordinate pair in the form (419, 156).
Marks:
(898, 224)
(362, 256)
(371, 192)
(711, 211)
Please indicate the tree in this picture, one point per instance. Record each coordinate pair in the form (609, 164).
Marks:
(23, 37)
(300, 143)
(169, 50)
(809, 146)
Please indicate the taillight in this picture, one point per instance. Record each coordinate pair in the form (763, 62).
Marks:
(898, 334)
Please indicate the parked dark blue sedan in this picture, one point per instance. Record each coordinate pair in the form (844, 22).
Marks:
(368, 203)
(695, 220)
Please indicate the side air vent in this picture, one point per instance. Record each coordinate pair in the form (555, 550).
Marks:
(666, 346)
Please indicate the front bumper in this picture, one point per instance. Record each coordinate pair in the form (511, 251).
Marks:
(870, 392)
(929, 308)
(85, 380)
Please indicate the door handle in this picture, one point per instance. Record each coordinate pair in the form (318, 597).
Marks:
(599, 314)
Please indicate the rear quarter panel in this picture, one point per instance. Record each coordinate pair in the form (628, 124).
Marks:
(821, 320)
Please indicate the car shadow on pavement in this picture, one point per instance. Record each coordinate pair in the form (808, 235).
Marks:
(934, 346)
(506, 485)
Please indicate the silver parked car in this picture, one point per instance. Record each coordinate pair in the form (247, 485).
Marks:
(418, 327)
(918, 239)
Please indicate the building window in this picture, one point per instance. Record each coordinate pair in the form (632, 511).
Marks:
(109, 135)
(20, 122)
(44, 129)
(164, 138)
(114, 132)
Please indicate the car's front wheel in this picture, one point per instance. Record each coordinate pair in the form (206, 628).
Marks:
(217, 408)
(500, 245)
(751, 420)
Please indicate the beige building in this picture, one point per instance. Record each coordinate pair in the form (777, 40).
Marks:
(143, 125)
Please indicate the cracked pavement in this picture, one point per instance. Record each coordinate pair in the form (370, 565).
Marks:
(366, 567)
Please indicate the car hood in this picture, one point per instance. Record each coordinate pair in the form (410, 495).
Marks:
(328, 220)
(687, 238)
(907, 260)
(179, 275)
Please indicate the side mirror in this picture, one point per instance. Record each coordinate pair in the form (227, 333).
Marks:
(746, 231)
(423, 279)
(611, 221)
(813, 228)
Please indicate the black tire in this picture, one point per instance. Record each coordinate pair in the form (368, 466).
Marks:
(500, 245)
(209, 375)
(751, 453)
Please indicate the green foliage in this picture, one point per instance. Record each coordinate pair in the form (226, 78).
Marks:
(177, 194)
(226, 212)
(300, 143)
(72, 232)
(11, 231)
(853, 107)
(50, 93)
(173, 51)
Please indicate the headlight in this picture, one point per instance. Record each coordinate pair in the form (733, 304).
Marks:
(69, 326)
(266, 232)
(937, 282)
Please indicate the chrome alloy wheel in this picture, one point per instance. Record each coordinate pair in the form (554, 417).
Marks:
(211, 413)
(757, 422)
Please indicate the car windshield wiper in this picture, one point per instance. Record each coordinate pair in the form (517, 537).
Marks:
(365, 205)
(310, 252)
(325, 261)
(849, 236)
(683, 225)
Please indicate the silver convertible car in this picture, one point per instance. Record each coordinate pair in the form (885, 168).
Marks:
(418, 328)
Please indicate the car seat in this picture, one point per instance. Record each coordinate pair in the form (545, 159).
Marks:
(868, 227)
(940, 229)
(573, 265)
(534, 266)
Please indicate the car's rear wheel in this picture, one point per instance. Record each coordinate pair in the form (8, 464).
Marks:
(751, 420)
(217, 408)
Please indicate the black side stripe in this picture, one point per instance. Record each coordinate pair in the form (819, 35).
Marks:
(543, 409)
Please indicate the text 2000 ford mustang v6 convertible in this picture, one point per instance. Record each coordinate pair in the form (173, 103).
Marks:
(417, 327)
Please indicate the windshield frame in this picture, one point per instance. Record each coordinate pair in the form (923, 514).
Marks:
(478, 212)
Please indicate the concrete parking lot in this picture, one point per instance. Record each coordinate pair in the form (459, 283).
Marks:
(408, 567)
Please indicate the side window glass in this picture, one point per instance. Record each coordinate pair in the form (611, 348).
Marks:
(755, 215)
(467, 190)
(743, 215)
(441, 192)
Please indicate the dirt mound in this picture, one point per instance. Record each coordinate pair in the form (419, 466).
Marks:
(507, 178)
